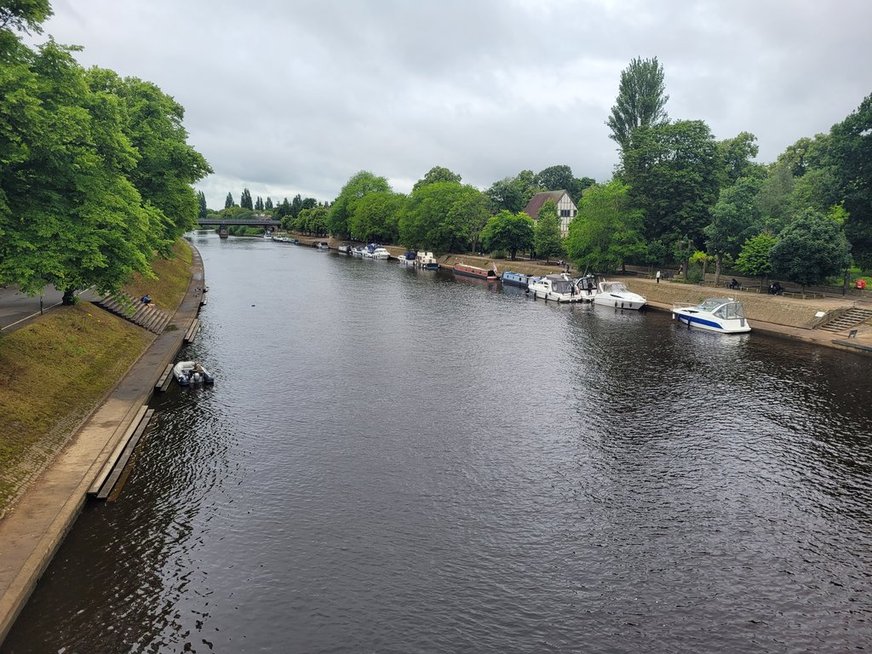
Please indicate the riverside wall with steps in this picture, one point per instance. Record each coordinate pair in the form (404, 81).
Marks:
(147, 316)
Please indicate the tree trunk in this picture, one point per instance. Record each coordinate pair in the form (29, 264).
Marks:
(69, 297)
(717, 269)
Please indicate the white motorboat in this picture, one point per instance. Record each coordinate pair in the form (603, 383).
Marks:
(427, 261)
(407, 259)
(559, 288)
(617, 295)
(723, 315)
(191, 372)
(380, 253)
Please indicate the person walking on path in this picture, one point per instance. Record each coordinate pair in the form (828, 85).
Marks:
(657, 276)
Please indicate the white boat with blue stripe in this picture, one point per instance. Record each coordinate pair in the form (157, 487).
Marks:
(723, 315)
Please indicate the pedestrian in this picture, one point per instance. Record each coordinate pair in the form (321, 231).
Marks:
(657, 276)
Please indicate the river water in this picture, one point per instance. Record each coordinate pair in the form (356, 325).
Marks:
(394, 461)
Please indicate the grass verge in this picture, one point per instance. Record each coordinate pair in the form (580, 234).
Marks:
(59, 367)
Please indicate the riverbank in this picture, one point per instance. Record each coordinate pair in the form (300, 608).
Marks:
(34, 528)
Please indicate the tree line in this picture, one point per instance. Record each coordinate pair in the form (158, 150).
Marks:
(95, 171)
(678, 197)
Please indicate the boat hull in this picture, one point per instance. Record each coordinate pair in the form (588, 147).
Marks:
(710, 323)
(618, 302)
(475, 273)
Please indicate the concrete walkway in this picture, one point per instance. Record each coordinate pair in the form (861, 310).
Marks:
(35, 527)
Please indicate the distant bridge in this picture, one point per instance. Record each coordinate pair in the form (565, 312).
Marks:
(251, 222)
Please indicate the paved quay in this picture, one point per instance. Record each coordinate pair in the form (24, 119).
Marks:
(32, 531)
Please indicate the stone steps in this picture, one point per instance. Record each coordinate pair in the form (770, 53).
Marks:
(146, 316)
(848, 320)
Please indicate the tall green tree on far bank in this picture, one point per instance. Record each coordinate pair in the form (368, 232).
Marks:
(851, 156)
(376, 217)
(672, 171)
(245, 200)
(443, 217)
(201, 201)
(810, 249)
(228, 201)
(641, 100)
(513, 193)
(547, 241)
(607, 230)
(754, 259)
(437, 174)
(359, 185)
(508, 231)
(734, 218)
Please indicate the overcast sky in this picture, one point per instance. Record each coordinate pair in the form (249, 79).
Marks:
(287, 97)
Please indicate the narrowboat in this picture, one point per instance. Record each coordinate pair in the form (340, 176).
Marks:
(464, 270)
(515, 279)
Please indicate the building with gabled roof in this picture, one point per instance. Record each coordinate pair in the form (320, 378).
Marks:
(566, 209)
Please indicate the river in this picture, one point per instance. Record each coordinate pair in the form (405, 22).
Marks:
(394, 461)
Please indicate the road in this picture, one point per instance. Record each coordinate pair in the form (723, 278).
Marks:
(16, 307)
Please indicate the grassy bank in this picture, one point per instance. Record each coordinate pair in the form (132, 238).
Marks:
(60, 366)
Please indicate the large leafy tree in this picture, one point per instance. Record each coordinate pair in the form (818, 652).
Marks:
(641, 100)
(24, 15)
(376, 217)
(735, 217)
(508, 231)
(607, 230)
(437, 174)
(851, 156)
(443, 217)
(754, 259)
(201, 201)
(513, 193)
(360, 184)
(245, 200)
(672, 171)
(547, 241)
(810, 249)
(736, 155)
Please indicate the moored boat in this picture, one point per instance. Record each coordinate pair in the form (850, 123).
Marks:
(344, 249)
(559, 288)
(723, 315)
(407, 259)
(427, 261)
(618, 296)
(515, 279)
(486, 274)
(191, 372)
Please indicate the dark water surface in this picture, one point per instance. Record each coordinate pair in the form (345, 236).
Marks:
(392, 461)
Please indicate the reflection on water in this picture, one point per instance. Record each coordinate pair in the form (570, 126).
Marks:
(393, 461)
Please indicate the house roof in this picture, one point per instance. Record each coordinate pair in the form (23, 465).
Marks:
(536, 202)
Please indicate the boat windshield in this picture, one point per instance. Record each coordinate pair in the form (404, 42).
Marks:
(614, 287)
(562, 286)
(730, 311)
(713, 303)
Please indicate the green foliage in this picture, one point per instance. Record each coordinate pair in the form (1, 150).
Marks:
(24, 15)
(443, 217)
(437, 174)
(641, 100)
(258, 204)
(312, 220)
(607, 230)
(508, 231)
(754, 259)
(672, 171)
(228, 201)
(268, 205)
(547, 241)
(513, 193)
(557, 178)
(201, 201)
(359, 185)
(735, 217)
(810, 249)
(773, 199)
(736, 155)
(376, 217)
(245, 200)
(851, 157)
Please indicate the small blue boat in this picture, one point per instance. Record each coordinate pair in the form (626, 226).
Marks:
(515, 279)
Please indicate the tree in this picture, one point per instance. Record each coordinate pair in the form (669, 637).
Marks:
(437, 174)
(508, 231)
(810, 249)
(359, 185)
(513, 193)
(546, 238)
(245, 200)
(736, 155)
(672, 172)
(268, 205)
(607, 230)
(443, 217)
(754, 259)
(24, 15)
(376, 217)
(258, 204)
(228, 201)
(851, 158)
(201, 200)
(735, 217)
(641, 100)
(556, 178)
